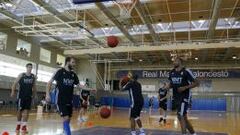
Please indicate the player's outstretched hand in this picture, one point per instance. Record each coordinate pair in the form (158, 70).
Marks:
(48, 99)
(12, 94)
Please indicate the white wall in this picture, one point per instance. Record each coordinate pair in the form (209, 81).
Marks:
(226, 85)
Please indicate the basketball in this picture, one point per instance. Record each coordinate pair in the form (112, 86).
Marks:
(124, 80)
(105, 112)
(5, 133)
(112, 41)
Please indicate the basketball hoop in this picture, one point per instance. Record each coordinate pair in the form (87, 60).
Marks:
(126, 7)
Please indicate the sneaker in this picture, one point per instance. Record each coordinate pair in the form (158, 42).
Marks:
(142, 133)
(133, 133)
(161, 119)
(80, 120)
(84, 119)
(18, 128)
(24, 129)
(164, 121)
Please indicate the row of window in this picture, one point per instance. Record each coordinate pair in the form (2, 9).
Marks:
(24, 49)
(12, 67)
(3, 41)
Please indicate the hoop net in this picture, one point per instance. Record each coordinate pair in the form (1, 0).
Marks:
(126, 7)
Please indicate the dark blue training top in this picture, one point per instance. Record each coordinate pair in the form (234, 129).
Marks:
(178, 79)
(85, 94)
(135, 93)
(162, 93)
(65, 85)
(25, 86)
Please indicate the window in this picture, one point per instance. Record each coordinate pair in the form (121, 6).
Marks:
(23, 48)
(60, 60)
(12, 67)
(45, 55)
(3, 41)
(45, 73)
(148, 87)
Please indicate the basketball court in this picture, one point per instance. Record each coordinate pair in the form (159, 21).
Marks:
(110, 41)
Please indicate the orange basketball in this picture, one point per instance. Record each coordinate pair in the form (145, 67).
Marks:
(112, 41)
(105, 112)
(124, 80)
(5, 133)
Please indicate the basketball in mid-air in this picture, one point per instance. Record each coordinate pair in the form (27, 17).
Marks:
(112, 41)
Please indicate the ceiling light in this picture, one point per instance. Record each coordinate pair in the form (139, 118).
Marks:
(106, 28)
(9, 4)
(140, 60)
(47, 1)
(160, 24)
(196, 58)
(59, 33)
(234, 57)
(201, 21)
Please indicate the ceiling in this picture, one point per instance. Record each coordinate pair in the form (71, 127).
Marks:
(62, 24)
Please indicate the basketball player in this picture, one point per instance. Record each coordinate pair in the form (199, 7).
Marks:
(150, 103)
(84, 101)
(65, 79)
(137, 102)
(162, 96)
(181, 81)
(27, 88)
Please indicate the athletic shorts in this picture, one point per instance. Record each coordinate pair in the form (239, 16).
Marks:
(24, 104)
(136, 111)
(81, 104)
(65, 109)
(163, 105)
(182, 107)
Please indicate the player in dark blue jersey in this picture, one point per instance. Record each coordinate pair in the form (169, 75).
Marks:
(162, 97)
(137, 101)
(181, 81)
(27, 89)
(66, 79)
(150, 104)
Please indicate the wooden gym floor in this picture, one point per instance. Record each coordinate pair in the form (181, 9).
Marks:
(205, 123)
